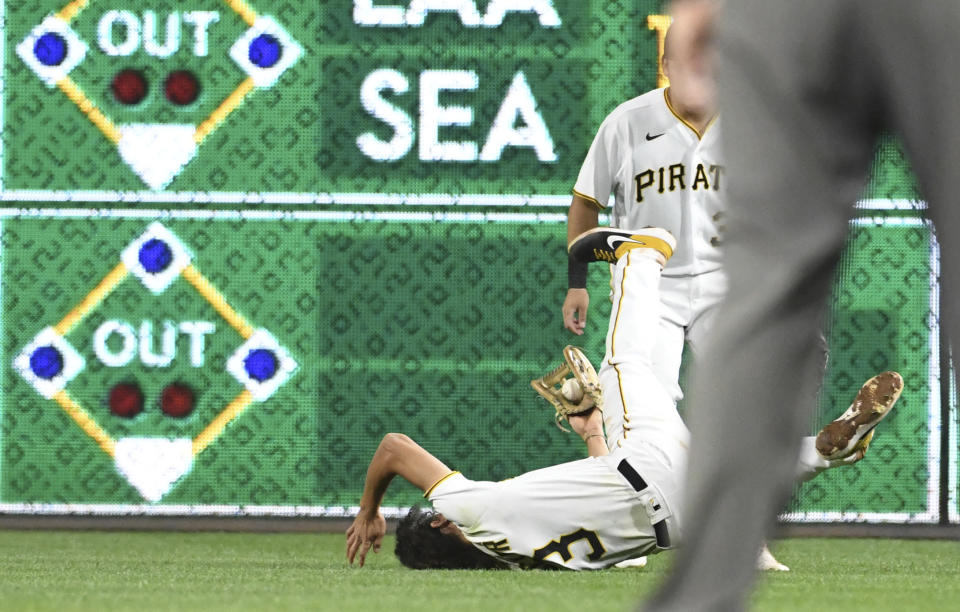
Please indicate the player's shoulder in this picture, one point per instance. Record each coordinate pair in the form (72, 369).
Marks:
(649, 106)
(453, 481)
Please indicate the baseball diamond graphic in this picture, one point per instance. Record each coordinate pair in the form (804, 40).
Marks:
(380, 348)
(157, 152)
(154, 464)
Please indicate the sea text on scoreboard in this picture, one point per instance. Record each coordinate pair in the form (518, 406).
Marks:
(518, 122)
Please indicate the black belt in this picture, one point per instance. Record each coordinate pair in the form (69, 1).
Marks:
(637, 482)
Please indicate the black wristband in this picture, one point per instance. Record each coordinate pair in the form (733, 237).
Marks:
(576, 274)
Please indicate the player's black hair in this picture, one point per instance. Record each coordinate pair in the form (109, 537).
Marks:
(420, 546)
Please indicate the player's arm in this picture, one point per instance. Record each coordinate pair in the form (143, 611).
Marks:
(582, 216)
(397, 455)
(589, 426)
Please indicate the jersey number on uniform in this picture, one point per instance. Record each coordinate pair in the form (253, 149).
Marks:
(562, 546)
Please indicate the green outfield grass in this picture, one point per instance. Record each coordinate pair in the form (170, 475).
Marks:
(50, 570)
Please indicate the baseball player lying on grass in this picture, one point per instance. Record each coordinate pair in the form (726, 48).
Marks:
(619, 504)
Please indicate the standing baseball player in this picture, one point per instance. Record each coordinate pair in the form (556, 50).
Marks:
(658, 155)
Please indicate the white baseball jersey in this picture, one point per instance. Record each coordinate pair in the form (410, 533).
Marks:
(579, 515)
(661, 172)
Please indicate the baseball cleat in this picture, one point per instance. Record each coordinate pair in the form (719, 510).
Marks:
(610, 244)
(853, 431)
(766, 562)
(633, 562)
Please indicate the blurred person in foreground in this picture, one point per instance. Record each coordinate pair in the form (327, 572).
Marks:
(805, 89)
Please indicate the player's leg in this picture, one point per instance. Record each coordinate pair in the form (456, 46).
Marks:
(665, 348)
(797, 160)
(637, 406)
(707, 293)
(675, 319)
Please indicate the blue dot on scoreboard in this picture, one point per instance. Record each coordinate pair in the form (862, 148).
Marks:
(260, 364)
(50, 49)
(264, 51)
(155, 255)
(46, 362)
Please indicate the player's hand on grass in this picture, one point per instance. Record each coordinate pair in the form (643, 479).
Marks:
(575, 310)
(365, 533)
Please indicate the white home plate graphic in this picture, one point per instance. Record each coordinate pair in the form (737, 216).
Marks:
(152, 465)
(157, 152)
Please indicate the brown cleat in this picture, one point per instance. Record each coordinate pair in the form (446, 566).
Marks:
(853, 431)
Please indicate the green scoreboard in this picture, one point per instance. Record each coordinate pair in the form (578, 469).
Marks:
(240, 240)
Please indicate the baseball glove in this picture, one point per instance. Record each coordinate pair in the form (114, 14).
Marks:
(577, 368)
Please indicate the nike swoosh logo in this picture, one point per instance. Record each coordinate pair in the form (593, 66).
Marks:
(649, 137)
(613, 241)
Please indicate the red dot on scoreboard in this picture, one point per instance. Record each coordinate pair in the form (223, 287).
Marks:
(126, 400)
(129, 86)
(181, 87)
(177, 400)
